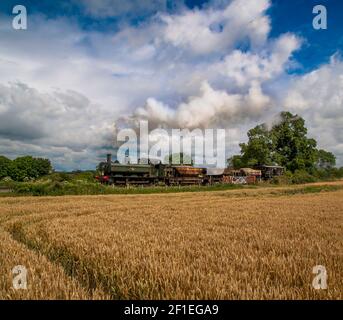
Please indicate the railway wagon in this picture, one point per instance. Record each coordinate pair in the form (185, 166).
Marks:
(184, 175)
(239, 176)
(269, 172)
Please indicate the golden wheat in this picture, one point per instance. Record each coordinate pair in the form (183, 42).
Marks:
(251, 244)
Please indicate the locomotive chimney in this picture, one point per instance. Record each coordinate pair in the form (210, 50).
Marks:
(109, 159)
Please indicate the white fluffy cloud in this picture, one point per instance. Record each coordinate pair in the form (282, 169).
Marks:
(206, 31)
(318, 97)
(245, 67)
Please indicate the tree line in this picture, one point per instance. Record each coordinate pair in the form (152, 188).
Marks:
(24, 168)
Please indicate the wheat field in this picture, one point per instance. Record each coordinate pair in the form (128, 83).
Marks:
(238, 244)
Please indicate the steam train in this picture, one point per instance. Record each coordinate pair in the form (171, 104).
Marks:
(164, 174)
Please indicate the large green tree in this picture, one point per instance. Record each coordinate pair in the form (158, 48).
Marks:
(5, 165)
(286, 144)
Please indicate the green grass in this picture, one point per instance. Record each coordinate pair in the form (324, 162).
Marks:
(310, 189)
(88, 188)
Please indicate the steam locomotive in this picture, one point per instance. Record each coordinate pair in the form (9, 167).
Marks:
(150, 174)
(165, 174)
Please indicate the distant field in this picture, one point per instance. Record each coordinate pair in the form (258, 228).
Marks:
(230, 244)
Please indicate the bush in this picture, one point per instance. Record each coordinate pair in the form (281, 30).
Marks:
(285, 179)
(328, 174)
(57, 188)
(35, 189)
(302, 176)
(60, 177)
(83, 177)
(87, 176)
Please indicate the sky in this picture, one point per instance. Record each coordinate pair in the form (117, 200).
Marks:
(85, 66)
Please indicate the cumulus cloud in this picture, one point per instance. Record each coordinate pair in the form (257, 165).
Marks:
(318, 97)
(58, 118)
(245, 67)
(206, 31)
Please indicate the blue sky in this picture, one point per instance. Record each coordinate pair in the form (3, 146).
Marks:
(287, 16)
(294, 16)
(84, 65)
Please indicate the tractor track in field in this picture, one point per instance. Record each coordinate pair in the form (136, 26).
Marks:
(74, 267)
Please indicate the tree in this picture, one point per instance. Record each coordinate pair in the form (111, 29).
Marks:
(325, 159)
(42, 166)
(258, 150)
(24, 168)
(292, 148)
(235, 162)
(285, 144)
(5, 164)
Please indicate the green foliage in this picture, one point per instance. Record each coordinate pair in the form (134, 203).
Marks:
(4, 167)
(235, 162)
(285, 144)
(258, 150)
(24, 168)
(60, 177)
(328, 174)
(286, 178)
(325, 159)
(42, 166)
(85, 176)
(78, 187)
(309, 189)
(302, 176)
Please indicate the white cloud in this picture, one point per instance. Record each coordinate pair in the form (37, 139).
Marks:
(206, 31)
(246, 67)
(59, 118)
(318, 97)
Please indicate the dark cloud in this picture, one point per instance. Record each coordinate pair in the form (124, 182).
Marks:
(14, 128)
